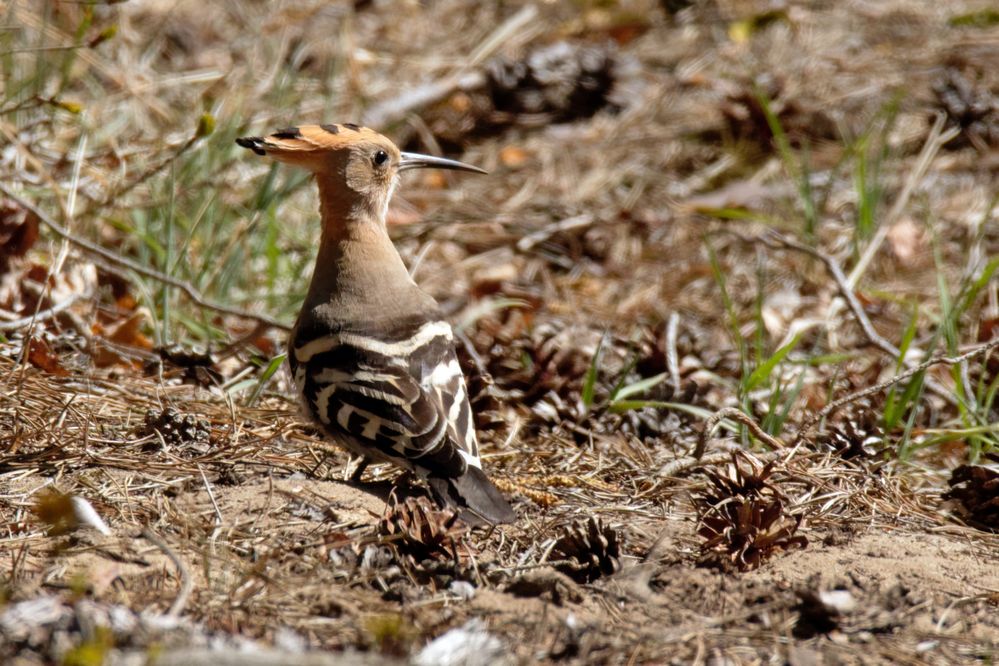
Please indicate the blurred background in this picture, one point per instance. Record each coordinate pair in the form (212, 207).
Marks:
(615, 280)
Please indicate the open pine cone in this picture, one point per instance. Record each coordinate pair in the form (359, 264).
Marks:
(593, 550)
(746, 533)
(970, 106)
(976, 489)
(418, 529)
(742, 516)
(178, 429)
(555, 83)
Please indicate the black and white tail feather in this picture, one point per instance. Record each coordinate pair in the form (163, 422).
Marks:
(399, 396)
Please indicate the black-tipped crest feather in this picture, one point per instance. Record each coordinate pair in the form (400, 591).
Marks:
(254, 143)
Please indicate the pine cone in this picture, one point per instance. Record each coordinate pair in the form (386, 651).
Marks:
(976, 488)
(177, 429)
(418, 530)
(746, 533)
(746, 119)
(857, 433)
(593, 549)
(557, 83)
(971, 107)
(560, 82)
(742, 517)
(751, 481)
(18, 232)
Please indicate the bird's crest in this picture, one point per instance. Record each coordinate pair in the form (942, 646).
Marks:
(310, 145)
(309, 139)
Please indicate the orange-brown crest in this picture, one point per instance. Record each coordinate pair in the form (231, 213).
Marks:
(307, 145)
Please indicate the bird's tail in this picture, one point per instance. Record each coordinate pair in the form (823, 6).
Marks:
(479, 502)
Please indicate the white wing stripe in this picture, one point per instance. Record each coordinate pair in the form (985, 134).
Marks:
(335, 376)
(459, 402)
(346, 381)
(343, 416)
(444, 373)
(323, 402)
(426, 333)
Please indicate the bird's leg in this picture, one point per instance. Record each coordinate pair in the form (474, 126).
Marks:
(355, 476)
(406, 479)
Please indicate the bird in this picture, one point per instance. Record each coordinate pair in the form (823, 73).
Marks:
(371, 354)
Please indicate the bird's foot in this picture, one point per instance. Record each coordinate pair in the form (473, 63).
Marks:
(355, 476)
(405, 480)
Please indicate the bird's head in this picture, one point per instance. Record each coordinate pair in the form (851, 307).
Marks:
(356, 167)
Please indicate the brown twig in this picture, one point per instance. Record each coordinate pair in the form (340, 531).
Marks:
(737, 415)
(877, 388)
(42, 315)
(776, 240)
(123, 262)
(143, 177)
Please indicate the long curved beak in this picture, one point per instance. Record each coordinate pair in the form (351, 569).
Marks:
(418, 161)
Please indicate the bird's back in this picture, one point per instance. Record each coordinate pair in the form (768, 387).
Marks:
(394, 390)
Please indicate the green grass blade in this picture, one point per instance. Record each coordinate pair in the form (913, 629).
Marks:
(590, 383)
(639, 387)
(265, 378)
(763, 371)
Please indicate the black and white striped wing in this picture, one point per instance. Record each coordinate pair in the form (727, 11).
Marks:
(400, 400)
(448, 382)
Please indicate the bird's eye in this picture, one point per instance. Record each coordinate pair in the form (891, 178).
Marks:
(381, 157)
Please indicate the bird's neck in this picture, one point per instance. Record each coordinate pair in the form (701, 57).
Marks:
(359, 275)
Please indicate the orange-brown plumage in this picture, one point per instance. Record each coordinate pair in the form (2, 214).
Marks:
(312, 138)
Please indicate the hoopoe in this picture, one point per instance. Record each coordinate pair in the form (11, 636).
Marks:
(370, 352)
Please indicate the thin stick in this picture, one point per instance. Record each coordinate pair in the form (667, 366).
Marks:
(143, 177)
(674, 467)
(934, 142)
(672, 362)
(857, 395)
(775, 239)
(186, 584)
(208, 487)
(736, 415)
(123, 262)
(43, 314)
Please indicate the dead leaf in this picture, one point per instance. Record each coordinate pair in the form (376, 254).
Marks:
(40, 355)
(126, 333)
(987, 328)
